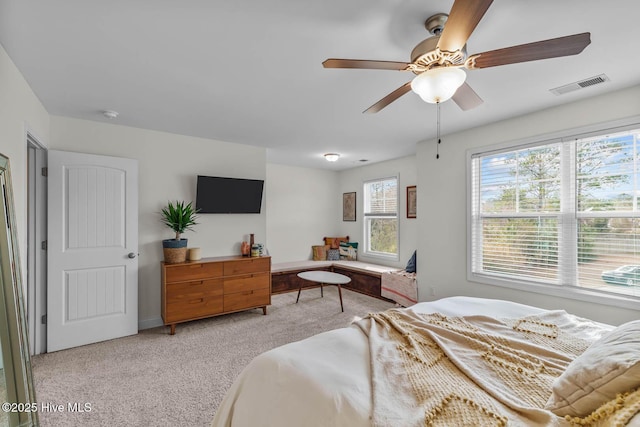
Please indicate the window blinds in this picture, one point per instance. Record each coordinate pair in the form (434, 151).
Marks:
(562, 213)
(381, 197)
(381, 217)
(608, 231)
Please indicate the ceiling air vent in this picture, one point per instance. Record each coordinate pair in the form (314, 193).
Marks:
(591, 81)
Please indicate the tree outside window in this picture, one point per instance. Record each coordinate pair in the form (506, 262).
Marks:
(564, 213)
(381, 217)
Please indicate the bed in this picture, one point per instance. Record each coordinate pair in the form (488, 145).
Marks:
(455, 361)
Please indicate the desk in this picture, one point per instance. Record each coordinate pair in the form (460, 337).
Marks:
(324, 278)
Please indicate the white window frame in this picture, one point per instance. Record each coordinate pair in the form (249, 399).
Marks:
(365, 216)
(561, 290)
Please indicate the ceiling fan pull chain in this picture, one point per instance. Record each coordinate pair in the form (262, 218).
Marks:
(438, 129)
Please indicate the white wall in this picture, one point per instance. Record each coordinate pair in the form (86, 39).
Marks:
(20, 110)
(302, 208)
(168, 166)
(442, 231)
(167, 173)
(353, 180)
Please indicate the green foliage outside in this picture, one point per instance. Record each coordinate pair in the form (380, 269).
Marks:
(534, 187)
(382, 200)
(384, 235)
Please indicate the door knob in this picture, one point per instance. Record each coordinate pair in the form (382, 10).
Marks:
(131, 255)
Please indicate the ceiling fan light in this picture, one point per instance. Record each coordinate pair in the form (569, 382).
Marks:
(438, 84)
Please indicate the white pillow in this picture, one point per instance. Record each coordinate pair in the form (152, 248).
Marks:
(609, 366)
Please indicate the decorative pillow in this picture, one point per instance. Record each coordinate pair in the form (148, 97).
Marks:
(334, 242)
(610, 366)
(320, 252)
(348, 251)
(333, 254)
(411, 265)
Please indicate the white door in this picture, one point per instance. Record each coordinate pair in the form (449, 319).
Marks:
(92, 292)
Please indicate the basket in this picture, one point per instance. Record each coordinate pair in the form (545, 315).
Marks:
(174, 255)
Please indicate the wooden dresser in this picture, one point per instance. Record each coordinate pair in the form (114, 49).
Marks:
(212, 286)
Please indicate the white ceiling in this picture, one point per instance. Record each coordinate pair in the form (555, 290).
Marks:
(249, 71)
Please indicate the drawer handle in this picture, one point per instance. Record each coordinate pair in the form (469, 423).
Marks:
(197, 283)
(247, 292)
(196, 301)
(196, 266)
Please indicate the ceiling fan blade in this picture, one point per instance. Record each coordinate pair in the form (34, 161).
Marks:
(466, 98)
(389, 98)
(552, 48)
(366, 64)
(463, 19)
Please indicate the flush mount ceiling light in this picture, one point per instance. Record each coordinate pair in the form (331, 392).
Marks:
(332, 157)
(110, 114)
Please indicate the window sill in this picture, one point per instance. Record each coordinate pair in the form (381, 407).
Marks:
(568, 292)
(379, 256)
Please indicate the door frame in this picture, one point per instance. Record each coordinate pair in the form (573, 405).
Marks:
(36, 262)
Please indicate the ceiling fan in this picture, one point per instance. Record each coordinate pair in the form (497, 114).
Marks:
(438, 60)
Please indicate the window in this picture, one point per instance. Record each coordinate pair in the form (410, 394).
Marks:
(563, 213)
(381, 217)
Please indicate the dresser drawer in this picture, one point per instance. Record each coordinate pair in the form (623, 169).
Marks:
(247, 283)
(193, 306)
(184, 272)
(248, 265)
(247, 299)
(214, 286)
(196, 287)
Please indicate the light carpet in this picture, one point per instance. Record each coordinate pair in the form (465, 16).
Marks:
(155, 379)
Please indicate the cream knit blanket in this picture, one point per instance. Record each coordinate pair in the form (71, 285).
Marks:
(429, 369)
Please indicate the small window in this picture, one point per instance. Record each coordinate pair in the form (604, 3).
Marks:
(381, 218)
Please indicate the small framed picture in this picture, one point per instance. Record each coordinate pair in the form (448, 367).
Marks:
(411, 201)
(349, 206)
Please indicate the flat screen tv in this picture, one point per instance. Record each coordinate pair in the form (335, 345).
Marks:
(216, 194)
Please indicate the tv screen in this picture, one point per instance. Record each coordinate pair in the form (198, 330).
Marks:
(228, 195)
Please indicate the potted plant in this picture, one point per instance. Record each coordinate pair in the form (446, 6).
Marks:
(179, 217)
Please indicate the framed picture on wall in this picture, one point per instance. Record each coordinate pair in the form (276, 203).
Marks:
(411, 201)
(349, 206)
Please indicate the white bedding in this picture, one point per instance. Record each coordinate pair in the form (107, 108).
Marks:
(325, 380)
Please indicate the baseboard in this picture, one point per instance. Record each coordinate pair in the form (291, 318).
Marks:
(150, 323)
